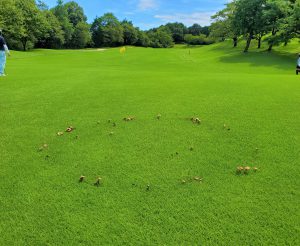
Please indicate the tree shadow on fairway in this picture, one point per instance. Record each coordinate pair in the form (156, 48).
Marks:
(280, 60)
(187, 47)
(275, 59)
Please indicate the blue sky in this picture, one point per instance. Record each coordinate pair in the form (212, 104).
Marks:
(152, 13)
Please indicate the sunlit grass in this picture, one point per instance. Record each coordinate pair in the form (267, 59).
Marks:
(157, 138)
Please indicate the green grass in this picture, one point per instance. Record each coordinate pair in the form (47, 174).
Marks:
(256, 94)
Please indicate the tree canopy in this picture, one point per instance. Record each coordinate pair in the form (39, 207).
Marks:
(28, 23)
(275, 20)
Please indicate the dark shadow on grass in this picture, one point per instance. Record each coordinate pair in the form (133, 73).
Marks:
(185, 46)
(255, 57)
(279, 60)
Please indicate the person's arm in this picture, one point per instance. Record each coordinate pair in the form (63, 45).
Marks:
(5, 46)
(6, 49)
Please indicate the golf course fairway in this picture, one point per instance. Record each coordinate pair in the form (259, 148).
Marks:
(165, 180)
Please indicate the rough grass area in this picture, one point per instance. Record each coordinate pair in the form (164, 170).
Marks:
(148, 194)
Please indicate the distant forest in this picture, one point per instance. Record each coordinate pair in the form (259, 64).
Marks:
(29, 24)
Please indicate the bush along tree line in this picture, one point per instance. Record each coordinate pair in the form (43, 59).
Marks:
(30, 24)
(277, 21)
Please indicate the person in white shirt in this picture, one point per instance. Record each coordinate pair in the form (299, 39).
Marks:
(3, 51)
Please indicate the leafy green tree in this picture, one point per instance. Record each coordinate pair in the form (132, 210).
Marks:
(107, 31)
(62, 15)
(143, 39)
(11, 22)
(53, 36)
(294, 22)
(195, 29)
(275, 15)
(197, 40)
(160, 38)
(178, 30)
(75, 13)
(223, 26)
(290, 28)
(42, 5)
(73, 22)
(248, 18)
(33, 22)
(205, 30)
(220, 30)
(130, 33)
(81, 36)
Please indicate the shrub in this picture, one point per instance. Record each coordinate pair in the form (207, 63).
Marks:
(197, 40)
(160, 39)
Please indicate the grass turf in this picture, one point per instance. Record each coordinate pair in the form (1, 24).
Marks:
(256, 94)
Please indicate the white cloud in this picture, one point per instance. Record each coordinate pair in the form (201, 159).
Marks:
(202, 18)
(147, 4)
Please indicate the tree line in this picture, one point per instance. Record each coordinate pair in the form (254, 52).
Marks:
(32, 24)
(277, 21)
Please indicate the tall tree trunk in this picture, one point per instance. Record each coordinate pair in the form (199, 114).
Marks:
(24, 45)
(271, 45)
(259, 42)
(248, 42)
(235, 42)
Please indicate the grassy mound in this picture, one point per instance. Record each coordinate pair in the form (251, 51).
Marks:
(165, 181)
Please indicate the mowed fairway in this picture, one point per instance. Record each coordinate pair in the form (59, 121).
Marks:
(257, 96)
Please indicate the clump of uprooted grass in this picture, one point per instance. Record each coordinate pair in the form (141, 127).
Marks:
(129, 118)
(70, 129)
(43, 147)
(81, 179)
(196, 120)
(245, 170)
(98, 182)
(240, 170)
(189, 179)
(226, 127)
